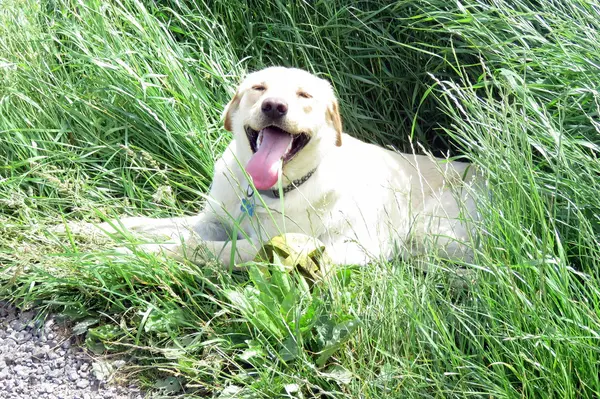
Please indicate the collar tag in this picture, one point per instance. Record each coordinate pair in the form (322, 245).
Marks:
(249, 202)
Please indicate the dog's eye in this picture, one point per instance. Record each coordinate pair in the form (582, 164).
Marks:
(304, 94)
(259, 87)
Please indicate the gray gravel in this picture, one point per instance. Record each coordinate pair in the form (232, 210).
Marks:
(38, 360)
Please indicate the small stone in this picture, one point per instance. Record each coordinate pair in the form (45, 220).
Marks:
(40, 353)
(34, 378)
(9, 385)
(17, 325)
(48, 325)
(56, 373)
(24, 337)
(119, 363)
(28, 316)
(21, 371)
(82, 384)
(47, 387)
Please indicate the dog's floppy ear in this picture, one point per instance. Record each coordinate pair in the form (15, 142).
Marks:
(333, 115)
(229, 110)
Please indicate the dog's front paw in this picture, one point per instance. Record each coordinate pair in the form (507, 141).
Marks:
(166, 248)
(70, 227)
(81, 232)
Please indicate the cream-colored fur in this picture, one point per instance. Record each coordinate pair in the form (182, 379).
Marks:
(363, 202)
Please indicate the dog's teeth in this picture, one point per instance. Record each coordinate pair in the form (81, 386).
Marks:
(289, 147)
(259, 140)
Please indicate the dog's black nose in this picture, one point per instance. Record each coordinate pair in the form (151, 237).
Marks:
(274, 107)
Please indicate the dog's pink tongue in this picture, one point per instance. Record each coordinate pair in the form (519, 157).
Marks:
(264, 165)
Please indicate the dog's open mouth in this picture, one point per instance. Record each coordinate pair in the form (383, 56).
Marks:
(272, 147)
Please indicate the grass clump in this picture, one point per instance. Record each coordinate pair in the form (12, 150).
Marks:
(111, 108)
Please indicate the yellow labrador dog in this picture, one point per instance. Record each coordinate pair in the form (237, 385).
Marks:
(290, 168)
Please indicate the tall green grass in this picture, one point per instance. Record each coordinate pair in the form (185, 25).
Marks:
(110, 108)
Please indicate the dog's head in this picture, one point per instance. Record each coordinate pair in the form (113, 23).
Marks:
(284, 114)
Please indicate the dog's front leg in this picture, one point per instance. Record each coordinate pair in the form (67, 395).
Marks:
(206, 225)
(199, 251)
(197, 238)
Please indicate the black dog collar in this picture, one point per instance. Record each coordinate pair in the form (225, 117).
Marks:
(293, 185)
